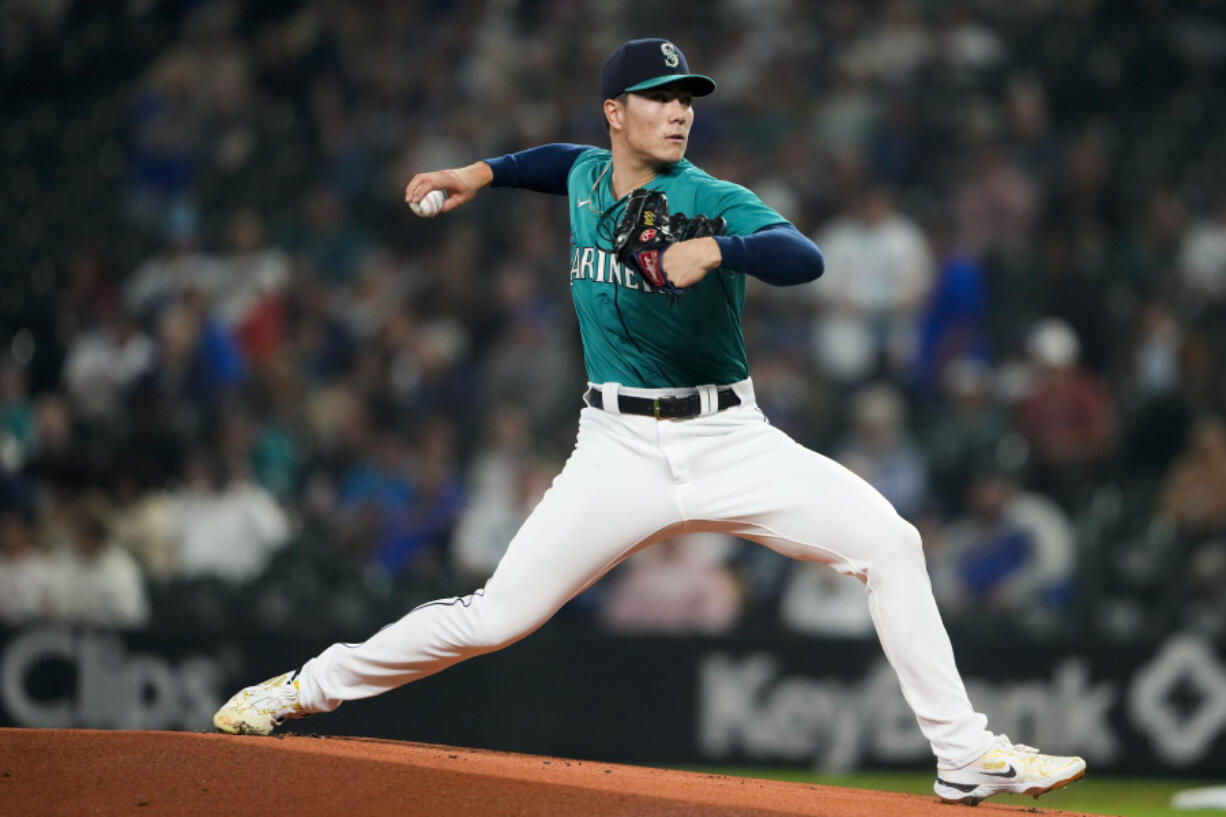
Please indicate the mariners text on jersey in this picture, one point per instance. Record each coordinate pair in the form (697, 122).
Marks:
(594, 264)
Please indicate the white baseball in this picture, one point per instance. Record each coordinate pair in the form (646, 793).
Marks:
(430, 204)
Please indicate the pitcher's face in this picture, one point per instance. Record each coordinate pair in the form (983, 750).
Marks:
(656, 123)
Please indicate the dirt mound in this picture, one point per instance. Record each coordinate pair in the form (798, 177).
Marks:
(51, 772)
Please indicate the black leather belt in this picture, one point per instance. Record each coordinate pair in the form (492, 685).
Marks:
(663, 408)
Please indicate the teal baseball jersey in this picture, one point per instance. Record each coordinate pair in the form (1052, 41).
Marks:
(637, 335)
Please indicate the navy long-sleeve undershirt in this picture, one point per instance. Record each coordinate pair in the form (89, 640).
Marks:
(543, 169)
(778, 254)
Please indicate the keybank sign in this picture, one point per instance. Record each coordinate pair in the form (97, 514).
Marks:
(54, 678)
(1174, 704)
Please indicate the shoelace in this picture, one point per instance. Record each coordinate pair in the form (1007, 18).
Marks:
(272, 698)
(1003, 742)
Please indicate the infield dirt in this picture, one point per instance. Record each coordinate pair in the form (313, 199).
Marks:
(49, 772)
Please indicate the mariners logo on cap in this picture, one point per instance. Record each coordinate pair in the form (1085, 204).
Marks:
(670, 54)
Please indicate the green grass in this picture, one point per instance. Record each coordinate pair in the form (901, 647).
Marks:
(1120, 796)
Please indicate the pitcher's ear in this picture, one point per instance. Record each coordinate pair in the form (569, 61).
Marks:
(615, 112)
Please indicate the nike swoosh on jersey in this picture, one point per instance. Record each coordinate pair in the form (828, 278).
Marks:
(583, 202)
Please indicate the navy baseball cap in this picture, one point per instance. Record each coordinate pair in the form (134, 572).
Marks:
(641, 64)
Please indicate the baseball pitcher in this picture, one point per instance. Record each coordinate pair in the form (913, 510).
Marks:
(670, 439)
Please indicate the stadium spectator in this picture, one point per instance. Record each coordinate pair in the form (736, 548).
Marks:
(819, 601)
(996, 203)
(98, 583)
(17, 436)
(953, 323)
(200, 364)
(27, 576)
(222, 524)
(505, 483)
(532, 367)
(58, 458)
(178, 266)
(1012, 553)
(252, 277)
(1066, 413)
(879, 448)
(163, 132)
(413, 539)
(868, 311)
(965, 431)
(1193, 493)
(1146, 255)
(329, 241)
(104, 364)
(1202, 259)
(1205, 579)
(677, 586)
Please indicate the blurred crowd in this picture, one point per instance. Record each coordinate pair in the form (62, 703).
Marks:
(243, 387)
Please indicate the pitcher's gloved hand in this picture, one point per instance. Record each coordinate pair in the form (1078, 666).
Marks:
(646, 230)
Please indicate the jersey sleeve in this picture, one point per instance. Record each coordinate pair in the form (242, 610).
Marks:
(741, 209)
(544, 169)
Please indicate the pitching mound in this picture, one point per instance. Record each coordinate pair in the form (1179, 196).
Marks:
(75, 772)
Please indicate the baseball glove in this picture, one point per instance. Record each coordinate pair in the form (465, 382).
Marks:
(646, 230)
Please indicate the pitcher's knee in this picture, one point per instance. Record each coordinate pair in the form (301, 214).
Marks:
(902, 545)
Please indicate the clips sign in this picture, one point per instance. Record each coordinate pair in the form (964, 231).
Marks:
(55, 678)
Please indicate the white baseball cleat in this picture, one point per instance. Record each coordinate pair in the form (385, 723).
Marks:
(1007, 768)
(258, 709)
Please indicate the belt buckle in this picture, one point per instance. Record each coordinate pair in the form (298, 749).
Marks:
(658, 402)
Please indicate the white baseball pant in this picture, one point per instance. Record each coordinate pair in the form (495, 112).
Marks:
(632, 481)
